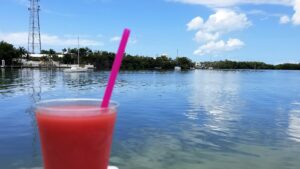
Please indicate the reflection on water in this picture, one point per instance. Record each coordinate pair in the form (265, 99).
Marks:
(294, 122)
(216, 95)
(214, 106)
(167, 120)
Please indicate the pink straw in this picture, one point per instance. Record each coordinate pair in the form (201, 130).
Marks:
(115, 69)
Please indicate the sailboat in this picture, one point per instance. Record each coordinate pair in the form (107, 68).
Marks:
(76, 68)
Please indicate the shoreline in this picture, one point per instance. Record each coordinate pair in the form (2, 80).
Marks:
(66, 67)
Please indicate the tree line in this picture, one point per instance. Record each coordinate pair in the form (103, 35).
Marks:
(103, 60)
(227, 64)
(10, 54)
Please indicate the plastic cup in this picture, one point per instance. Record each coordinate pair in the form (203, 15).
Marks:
(75, 133)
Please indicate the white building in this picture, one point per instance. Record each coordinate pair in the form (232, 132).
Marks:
(44, 55)
(164, 54)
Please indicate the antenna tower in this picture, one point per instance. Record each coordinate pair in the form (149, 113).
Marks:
(34, 35)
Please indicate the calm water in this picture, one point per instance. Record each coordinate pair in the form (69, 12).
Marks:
(167, 120)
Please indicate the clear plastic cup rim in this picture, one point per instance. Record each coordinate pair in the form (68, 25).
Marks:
(47, 106)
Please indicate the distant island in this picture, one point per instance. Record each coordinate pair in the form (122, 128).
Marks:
(227, 64)
(102, 60)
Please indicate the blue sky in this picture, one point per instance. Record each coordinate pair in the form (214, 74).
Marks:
(203, 30)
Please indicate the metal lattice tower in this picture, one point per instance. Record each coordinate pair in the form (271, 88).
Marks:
(34, 35)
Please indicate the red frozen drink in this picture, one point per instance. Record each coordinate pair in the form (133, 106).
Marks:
(75, 134)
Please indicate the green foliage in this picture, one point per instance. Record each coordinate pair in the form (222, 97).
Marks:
(34, 59)
(184, 62)
(165, 63)
(248, 65)
(22, 51)
(44, 51)
(138, 63)
(67, 59)
(237, 65)
(56, 58)
(44, 59)
(51, 54)
(10, 54)
(103, 60)
(288, 66)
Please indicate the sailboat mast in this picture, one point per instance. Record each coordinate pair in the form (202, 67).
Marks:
(78, 51)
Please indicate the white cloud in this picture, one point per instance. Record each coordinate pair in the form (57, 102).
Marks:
(195, 23)
(223, 21)
(118, 38)
(296, 16)
(263, 13)
(234, 43)
(219, 47)
(256, 12)
(295, 19)
(20, 38)
(134, 41)
(202, 36)
(115, 39)
(17, 38)
(56, 40)
(209, 32)
(284, 19)
(229, 3)
(226, 20)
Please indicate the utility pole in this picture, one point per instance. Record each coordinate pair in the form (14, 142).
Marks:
(78, 50)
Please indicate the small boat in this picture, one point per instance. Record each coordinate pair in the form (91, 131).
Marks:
(77, 68)
(3, 64)
(177, 68)
(89, 66)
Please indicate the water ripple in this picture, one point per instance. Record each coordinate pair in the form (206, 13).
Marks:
(167, 120)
